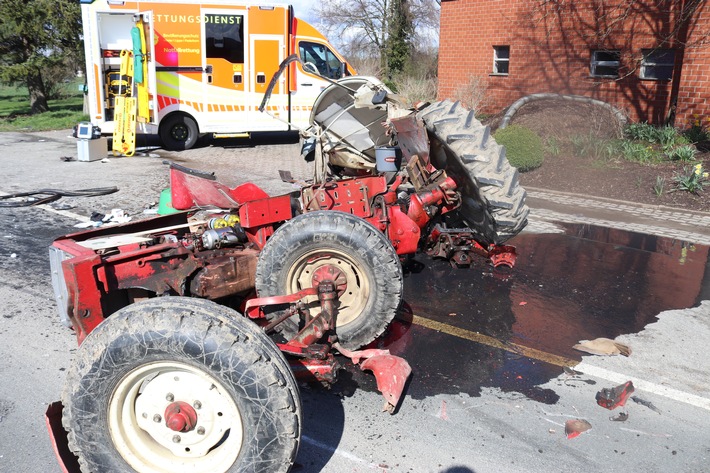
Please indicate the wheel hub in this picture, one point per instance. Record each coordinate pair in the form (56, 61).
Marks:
(180, 132)
(351, 283)
(330, 273)
(180, 417)
(170, 416)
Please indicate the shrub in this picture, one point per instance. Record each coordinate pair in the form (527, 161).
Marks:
(638, 152)
(666, 136)
(682, 153)
(416, 89)
(692, 179)
(473, 93)
(592, 146)
(641, 132)
(524, 148)
(696, 134)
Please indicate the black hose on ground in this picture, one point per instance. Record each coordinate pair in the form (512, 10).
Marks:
(50, 195)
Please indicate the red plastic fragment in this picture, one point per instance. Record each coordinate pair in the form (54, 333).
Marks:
(611, 398)
(574, 427)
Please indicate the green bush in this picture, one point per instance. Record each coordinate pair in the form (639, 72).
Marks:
(696, 134)
(641, 132)
(682, 153)
(667, 137)
(524, 148)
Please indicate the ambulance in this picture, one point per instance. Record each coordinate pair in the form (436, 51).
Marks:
(201, 68)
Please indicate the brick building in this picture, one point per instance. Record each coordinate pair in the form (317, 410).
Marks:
(649, 58)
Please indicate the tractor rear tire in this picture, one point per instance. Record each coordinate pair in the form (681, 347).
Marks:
(328, 239)
(493, 203)
(189, 353)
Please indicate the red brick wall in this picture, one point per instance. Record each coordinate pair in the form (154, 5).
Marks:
(694, 87)
(550, 49)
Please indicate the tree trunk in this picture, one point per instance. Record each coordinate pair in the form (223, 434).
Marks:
(38, 96)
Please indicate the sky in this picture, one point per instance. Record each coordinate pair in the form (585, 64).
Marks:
(303, 8)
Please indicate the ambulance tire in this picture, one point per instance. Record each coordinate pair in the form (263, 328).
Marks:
(178, 132)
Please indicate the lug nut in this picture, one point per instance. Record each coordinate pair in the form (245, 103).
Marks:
(169, 397)
(201, 431)
(157, 418)
(197, 405)
(176, 439)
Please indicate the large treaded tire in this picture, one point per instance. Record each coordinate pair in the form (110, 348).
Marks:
(239, 365)
(493, 203)
(312, 240)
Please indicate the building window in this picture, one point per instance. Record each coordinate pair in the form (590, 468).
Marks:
(657, 64)
(605, 63)
(501, 59)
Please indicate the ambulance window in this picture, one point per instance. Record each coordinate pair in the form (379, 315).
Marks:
(323, 58)
(224, 37)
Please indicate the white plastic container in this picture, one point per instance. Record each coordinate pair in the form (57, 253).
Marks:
(92, 150)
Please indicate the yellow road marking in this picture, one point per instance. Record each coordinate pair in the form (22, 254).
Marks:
(493, 342)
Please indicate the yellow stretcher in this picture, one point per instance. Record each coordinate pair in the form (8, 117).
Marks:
(124, 130)
(129, 108)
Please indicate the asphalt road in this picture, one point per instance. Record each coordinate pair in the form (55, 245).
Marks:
(489, 393)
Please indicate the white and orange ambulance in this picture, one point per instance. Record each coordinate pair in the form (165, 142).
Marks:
(204, 67)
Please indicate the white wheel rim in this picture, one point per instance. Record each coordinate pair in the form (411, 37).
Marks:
(137, 424)
(352, 302)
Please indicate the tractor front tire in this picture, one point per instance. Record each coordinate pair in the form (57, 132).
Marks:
(493, 203)
(331, 242)
(181, 385)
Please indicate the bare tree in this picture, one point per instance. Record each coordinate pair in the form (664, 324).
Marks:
(367, 28)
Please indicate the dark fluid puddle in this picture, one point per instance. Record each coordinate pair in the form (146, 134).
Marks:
(587, 283)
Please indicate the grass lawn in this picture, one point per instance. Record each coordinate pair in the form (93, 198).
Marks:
(64, 113)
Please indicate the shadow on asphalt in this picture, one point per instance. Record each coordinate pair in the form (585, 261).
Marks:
(149, 142)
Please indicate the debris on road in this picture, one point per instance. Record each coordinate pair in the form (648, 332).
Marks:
(603, 346)
(620, 417)
(575, 427)
(645, 403)
(611, 398)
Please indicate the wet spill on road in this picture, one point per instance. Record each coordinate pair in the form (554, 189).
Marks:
(589, 282)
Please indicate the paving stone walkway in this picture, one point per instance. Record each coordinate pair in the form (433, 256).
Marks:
(547, 207)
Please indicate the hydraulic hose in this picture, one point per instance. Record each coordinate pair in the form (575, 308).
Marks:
(50, 195)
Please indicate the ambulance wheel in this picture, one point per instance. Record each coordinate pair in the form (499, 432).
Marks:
(181, 385)
(178, 132)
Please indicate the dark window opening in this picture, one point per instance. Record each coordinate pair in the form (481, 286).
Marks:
(501, 59)
(224, 37)
(605, 63)
(657, 64)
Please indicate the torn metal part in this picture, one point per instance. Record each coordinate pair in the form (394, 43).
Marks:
(611, 398)
(391, 372)
(645, 403)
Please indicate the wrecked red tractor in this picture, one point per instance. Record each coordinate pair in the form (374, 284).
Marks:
(169, 376)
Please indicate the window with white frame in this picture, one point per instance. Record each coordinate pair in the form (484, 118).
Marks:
(657, 64)
(605, 63)
(501, 59)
